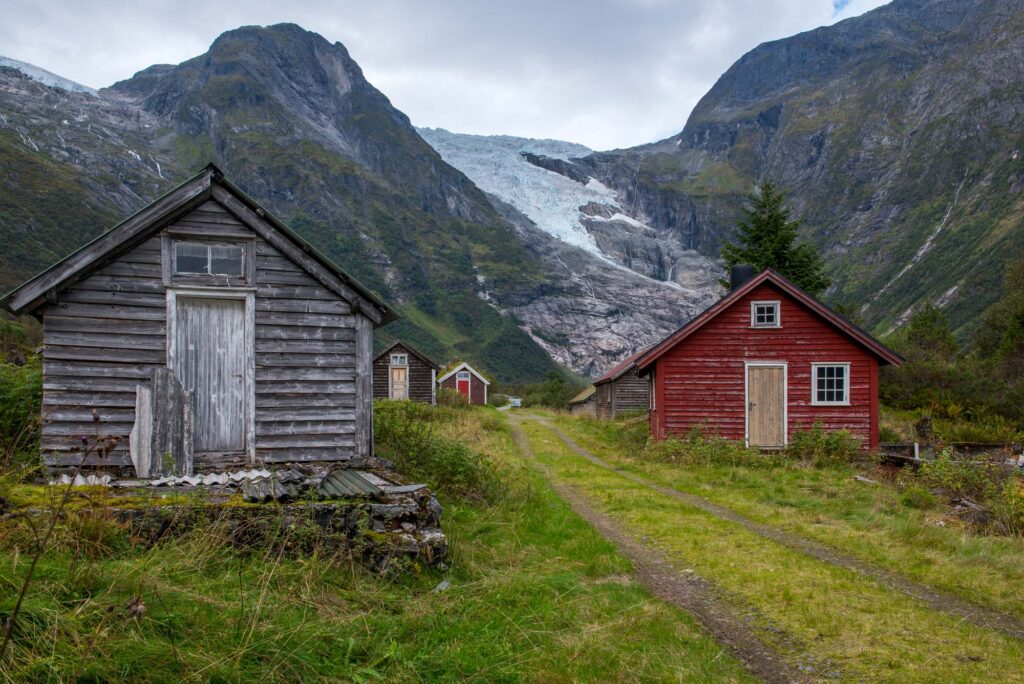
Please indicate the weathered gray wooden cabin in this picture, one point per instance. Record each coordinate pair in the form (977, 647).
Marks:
(621, 390)
(584, 403)
(203, 333)
(400, 372)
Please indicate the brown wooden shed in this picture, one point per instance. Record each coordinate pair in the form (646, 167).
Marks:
(584, 403)
(402, 373)
(621, 390)
(467, 381)
(203, 333)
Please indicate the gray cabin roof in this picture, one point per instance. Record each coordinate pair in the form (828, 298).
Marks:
(208, 184)
(412, 350)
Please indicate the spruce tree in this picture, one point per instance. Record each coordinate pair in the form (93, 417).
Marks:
(767, 238)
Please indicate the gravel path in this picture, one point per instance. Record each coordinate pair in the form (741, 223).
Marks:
(935, 599)
(687, 591)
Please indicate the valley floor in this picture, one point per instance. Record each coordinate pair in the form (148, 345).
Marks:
(591, 564)
(832, 575)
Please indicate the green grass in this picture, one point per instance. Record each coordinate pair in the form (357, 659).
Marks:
(536, 595)
(828, 505)
(803, 605)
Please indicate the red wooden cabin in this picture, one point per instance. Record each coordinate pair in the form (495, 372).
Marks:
(467, 381)
(765, 361)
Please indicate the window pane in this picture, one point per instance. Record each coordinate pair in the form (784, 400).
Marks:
(226, 260)
(190, 257)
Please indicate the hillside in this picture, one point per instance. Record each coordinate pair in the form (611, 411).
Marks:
(899, 134)
(292, 120)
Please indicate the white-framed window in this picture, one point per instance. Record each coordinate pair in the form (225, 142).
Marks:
(399, 359)
(765, 315)
(830, 384)
(462, 375)
(206, 258)
(653, 403)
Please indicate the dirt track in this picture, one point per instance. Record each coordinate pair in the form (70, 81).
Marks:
(687, 591)
(936, 600)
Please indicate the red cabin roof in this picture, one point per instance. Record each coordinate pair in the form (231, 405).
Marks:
(651, 355)
(620, 369)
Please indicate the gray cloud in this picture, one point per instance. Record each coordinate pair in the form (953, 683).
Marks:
(606, 73)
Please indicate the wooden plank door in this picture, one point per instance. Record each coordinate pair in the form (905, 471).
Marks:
(399, 382)
(210, 362)
(462, 382)
(766, 406)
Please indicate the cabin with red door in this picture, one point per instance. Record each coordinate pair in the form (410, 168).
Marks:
(468, 382)
(764, 362)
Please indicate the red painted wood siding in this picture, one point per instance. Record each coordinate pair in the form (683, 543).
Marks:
(701, 381)
(476, 388)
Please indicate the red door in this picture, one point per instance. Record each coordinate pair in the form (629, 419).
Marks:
(462, 383)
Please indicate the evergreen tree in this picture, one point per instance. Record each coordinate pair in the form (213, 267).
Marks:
(768, 239)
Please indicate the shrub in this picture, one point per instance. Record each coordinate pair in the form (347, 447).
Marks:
(406, 433)
(21, 390)
(697, 448)
(976, 480)
(822, 447)
(888, 435)
(1009, 507)
(446, 396)
(916, 496)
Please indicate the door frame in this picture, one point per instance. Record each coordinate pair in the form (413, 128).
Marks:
(391, 377)
(747, 365)
(248, 295)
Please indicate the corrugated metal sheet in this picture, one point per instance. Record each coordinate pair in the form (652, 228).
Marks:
(342, 483)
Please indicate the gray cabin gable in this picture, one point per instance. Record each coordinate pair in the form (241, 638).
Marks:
(136, 229)
(303, 373)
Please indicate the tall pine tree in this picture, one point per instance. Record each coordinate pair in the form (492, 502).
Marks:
(768, 239)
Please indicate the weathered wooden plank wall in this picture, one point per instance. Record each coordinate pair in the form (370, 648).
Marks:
(421, 377)
(107, 333)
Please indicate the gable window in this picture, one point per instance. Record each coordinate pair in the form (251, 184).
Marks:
(204, 258)
(399, 359)
(764, 315)
(830, 384)
(462, 375)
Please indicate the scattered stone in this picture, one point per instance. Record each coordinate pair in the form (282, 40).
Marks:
(442, 586)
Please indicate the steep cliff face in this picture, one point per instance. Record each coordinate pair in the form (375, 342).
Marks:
(899, 135)
(292, 120)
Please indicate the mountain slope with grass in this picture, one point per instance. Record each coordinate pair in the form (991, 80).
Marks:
(291, 119)
(899, 134)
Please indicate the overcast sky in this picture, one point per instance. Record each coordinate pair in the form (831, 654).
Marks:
(605, 73)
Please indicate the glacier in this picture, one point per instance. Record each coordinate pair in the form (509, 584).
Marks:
(552, 201)
(45, 77)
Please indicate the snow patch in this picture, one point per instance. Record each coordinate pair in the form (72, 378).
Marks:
(45, 77)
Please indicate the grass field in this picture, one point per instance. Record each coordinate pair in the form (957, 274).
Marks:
(843, 624)
(535, 595)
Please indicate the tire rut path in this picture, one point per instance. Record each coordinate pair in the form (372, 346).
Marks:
(687, 591)
(935, 599)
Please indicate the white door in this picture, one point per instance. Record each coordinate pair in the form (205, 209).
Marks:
(210, 362)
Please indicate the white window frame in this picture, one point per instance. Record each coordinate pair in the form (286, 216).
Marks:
(814, 383)
(400, 360)
(778, 314)
(784, 365)
(463, 375)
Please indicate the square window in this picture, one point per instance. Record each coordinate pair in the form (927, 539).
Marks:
(201, 258)
(399, 360)
(830, 384)
(191, 257)
(764, 315)
(226, 260)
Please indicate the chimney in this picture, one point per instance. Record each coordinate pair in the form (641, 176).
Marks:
(739, 275)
